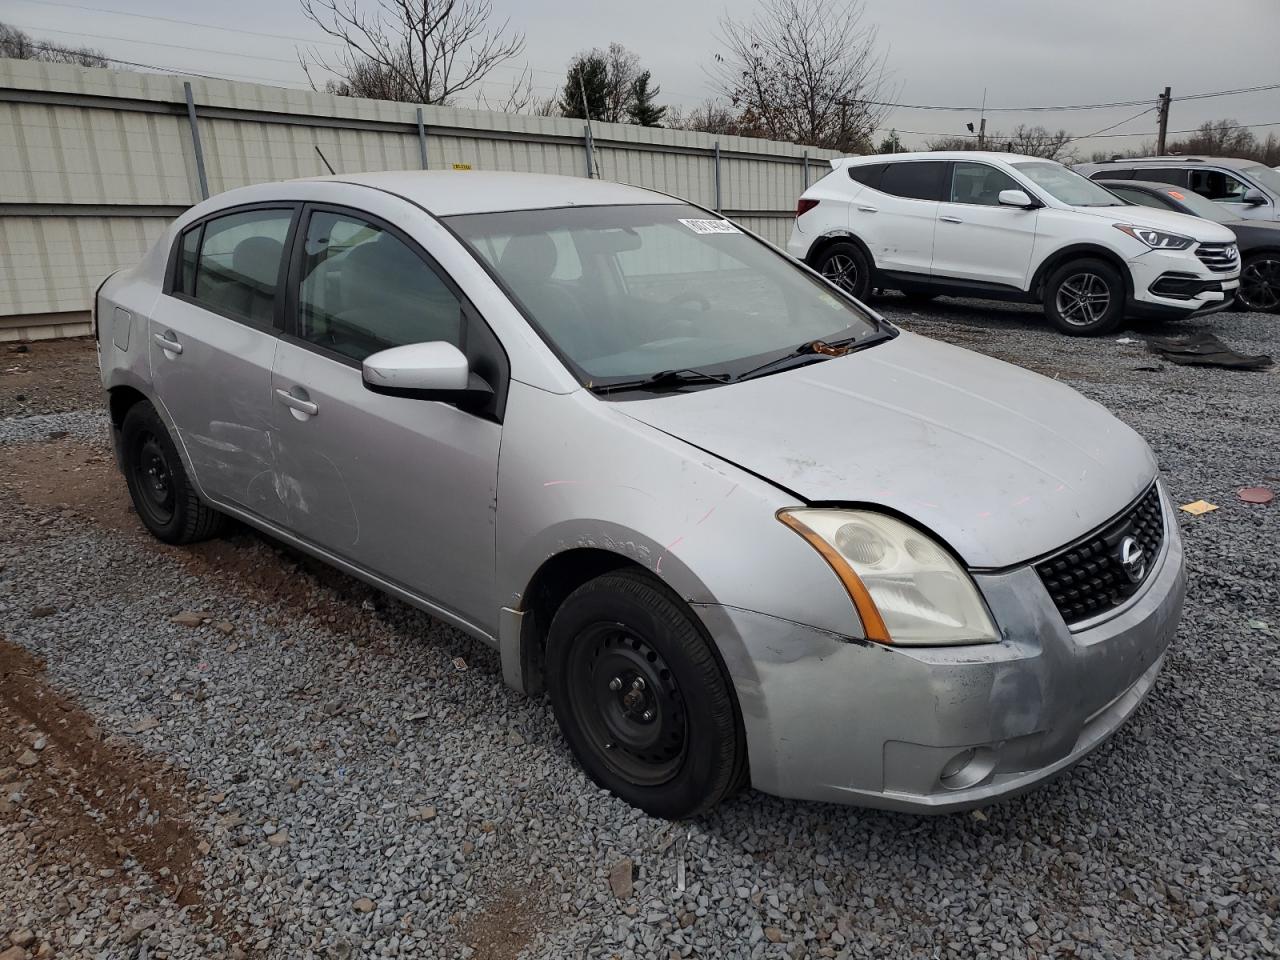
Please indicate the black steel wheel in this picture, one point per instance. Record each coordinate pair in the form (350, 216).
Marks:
(642, 697)
(162, 494)
(845, 265)
(1260, 282)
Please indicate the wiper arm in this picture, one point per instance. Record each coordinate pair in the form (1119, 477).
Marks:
(663, 380)
(811, 351)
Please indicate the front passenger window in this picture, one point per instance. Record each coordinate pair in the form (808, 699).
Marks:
(238, 270)
(364, 290)
(980, 184)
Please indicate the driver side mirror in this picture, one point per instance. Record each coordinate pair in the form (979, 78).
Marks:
(1253, 197)
(425, 371)
(1017, 198)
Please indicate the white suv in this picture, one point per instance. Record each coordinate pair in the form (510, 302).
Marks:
(1008, 227)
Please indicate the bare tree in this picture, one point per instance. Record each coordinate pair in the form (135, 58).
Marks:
(808, 71)
(420, 51)
(15, 44)
(623, 69)
(1030, 141)
(714, 116)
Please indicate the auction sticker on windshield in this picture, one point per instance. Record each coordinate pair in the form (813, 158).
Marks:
(710, 226)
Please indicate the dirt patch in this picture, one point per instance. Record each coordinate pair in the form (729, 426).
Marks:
(508, 924)
(49, 376)
(91, 796)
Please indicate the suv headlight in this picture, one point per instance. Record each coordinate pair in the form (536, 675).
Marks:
(905, 586)
(1155, 239)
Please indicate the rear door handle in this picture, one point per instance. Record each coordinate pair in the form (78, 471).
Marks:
(172, 346)
(296, 403)
(866, 209)
(951, 220)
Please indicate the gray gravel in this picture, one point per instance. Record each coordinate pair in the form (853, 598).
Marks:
(428, 808)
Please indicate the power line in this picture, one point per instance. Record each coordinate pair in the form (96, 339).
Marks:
(1099, 135)
(160, 67)
(1063, 107)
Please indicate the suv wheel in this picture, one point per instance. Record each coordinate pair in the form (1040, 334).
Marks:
(1260, 282)
(1085, 298)
(642, 699)
(845, 265)
(162, 494)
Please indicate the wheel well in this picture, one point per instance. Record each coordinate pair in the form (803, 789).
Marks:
(1080, 253)
(121, 399)
(558, 577)
(822, 243)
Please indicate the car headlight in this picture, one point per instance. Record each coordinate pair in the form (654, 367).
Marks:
(905, 586)
(1155, 239)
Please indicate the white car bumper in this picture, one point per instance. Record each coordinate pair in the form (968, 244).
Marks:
(1178, 282)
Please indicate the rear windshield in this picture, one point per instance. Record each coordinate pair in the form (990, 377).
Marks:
(628, 291)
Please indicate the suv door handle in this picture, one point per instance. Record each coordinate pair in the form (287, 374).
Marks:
(951, 220)
(866, 209)
(172, 346)
(296, 403)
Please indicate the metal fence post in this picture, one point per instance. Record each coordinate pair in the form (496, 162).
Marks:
(590, 148)
(195, 141)
(422, 140)
(806, 169)
(718, 205)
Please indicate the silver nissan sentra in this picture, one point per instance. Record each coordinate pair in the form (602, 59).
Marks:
(739, 527)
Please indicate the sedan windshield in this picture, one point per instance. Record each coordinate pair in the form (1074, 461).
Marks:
(1201, 206)
(1067, 185)
(630, 292)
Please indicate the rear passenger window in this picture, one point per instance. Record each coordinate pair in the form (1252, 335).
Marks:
(238, 270)
(916, 180)
(1163, 175)
(364, 290)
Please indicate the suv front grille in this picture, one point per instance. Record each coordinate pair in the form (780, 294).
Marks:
(1219, 257)
(1088, 577)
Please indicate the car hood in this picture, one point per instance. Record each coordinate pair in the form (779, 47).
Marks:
(1205, 231)
(1003, 464)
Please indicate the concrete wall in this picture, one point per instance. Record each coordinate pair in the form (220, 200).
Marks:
(94, 164)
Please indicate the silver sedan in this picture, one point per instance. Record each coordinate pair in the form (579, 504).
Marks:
(739, 527)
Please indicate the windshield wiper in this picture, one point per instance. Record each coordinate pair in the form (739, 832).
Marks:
(663, 380)
(810, 351)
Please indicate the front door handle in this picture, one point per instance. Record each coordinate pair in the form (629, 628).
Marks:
(297, 403)
(866, 209)
(951, 220)
(167, 344)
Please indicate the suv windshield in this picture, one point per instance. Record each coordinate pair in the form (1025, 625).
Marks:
(1264, 175)
(627, 292)
(1066, 185)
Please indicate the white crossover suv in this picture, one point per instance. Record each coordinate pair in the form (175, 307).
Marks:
(1008, 227)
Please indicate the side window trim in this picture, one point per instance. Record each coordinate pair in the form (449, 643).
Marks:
(173, 271)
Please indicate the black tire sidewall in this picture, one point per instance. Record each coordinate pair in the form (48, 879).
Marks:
(138, 422)
(715, 750)
(862, 289)
(1115, 284)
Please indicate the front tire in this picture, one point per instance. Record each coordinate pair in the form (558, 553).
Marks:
(642, 698)
(163, 495)
(1085, 298)
(1260, 282)
(845, 265)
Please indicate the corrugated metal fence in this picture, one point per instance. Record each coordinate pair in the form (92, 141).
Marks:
(94, 164)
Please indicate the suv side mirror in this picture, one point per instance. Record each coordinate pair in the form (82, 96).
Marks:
(1253, 197)
(1017, 198)
(424, 371)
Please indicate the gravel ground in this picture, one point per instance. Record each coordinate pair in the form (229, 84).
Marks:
(312, 769)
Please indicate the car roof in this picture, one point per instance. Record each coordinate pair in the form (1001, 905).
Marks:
(935, 155)
(1236, 163)
(448, 192)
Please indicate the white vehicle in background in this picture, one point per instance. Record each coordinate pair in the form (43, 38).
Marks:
(1245, 188)
(1009, 227)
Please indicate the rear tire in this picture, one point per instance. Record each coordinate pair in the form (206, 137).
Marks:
(1259, 289)
(163, 495)
(845, 265)
(642, 699)
(1085, 298)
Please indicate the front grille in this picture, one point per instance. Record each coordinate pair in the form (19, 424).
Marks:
(1219, 257)
(1087, 578)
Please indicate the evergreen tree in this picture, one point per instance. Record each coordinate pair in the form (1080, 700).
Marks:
(643, 109)
(589, 73)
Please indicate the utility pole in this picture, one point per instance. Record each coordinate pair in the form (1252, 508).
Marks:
(1162, 111)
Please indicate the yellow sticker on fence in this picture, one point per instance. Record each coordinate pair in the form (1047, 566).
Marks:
(462, 166)
(1199, 507)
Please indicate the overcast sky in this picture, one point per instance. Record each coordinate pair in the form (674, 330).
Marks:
(1023, 52)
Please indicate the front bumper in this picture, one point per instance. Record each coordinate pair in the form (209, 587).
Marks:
(1177, 283)
(855, 722)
